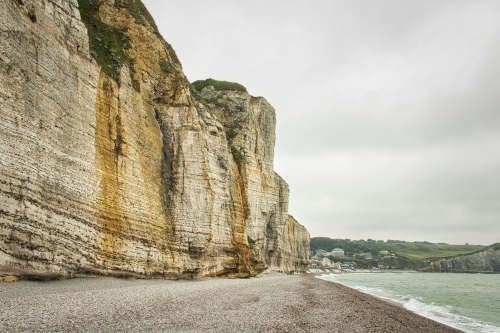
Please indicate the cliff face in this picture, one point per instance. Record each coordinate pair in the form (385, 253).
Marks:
(485, 261)
(112, 163)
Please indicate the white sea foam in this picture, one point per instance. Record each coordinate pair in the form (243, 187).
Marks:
(442, 314)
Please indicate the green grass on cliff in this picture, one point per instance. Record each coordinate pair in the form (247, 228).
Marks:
(168, 68)
(197, 86)
(438, 253)
(218, 85)
(495, 246)
(141, 15)
(107, 44)
(137, 9)
(196, 94)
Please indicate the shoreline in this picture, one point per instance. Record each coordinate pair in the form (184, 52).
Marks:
(321, 271)
(335, 271)
(270, 303)
(431, 303)
(389, 302)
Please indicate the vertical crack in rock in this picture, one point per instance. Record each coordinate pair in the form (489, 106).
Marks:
(241, 213)
(167, 180)
(109, 148)
(291, 234)
(211, 194)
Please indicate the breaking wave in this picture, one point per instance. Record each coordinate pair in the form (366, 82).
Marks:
(442, 314)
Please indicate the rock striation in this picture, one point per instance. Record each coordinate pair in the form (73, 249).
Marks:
(484, 261)
(112, 163)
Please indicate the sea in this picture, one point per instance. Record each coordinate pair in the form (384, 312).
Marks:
(468, 302)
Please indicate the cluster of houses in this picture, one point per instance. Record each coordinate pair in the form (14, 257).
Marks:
(325, 260)
(326, 264)
(336, 253)
(321, 261)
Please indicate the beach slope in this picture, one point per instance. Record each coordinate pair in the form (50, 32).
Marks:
(273, 303)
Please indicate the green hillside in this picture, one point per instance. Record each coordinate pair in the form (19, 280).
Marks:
(410, 250)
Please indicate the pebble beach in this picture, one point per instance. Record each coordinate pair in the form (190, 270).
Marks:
(271, 303)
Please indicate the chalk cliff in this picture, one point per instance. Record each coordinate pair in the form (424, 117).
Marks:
(112, 163)
(483, 261)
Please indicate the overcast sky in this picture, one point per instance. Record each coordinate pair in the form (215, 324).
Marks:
(388, 111)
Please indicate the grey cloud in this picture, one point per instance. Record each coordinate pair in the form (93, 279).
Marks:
(388, 111)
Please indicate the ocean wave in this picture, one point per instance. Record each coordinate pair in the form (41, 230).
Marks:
(442, 314)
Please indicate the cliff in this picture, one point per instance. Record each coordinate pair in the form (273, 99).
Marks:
(112, 163)
(483, 261)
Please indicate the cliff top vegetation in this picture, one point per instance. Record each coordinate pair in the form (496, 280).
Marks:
(142, 16)
(495, 247)
(108, 44)
(218, 85)
(410, 250)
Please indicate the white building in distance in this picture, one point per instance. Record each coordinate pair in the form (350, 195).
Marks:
(337, 253)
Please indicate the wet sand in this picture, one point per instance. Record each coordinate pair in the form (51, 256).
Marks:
(273, 303)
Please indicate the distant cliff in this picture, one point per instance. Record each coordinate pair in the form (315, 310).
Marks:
(112, 163)
(483, 261)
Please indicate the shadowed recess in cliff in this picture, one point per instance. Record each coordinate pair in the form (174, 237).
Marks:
(238, 220)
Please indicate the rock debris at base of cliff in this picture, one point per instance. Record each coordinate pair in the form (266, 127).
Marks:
(112, 163)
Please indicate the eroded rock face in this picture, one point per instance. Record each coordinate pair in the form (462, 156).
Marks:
(137, 178)
(484, 261)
